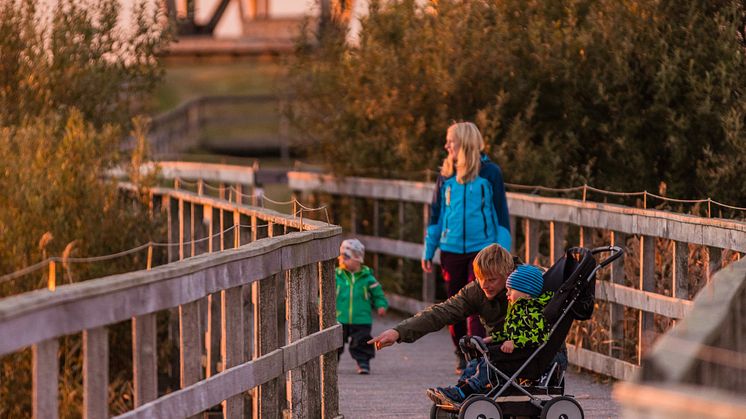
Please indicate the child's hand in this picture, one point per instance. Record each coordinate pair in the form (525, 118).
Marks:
(381, 311)
(488, 339)
(507, 346)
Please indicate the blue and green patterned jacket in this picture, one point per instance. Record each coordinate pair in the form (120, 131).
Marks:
(525, 324)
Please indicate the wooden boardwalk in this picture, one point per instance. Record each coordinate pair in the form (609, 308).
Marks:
(401, 373)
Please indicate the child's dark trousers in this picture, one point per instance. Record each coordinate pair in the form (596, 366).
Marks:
(358, 336)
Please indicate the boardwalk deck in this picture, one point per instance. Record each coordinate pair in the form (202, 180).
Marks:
(400, 375)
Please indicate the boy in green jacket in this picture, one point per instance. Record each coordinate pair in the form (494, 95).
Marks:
(357, 293)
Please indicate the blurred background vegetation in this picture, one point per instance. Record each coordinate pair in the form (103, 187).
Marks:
(618, 94)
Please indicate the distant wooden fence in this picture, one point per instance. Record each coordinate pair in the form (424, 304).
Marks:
(253, 295)
(553, 217)
(245, 122)
(698, 368)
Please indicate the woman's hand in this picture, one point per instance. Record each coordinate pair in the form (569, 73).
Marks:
(381, 311)
(386, 338)
(507, 346)
(427, 265)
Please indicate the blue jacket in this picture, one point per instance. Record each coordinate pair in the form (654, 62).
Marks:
(467, 218)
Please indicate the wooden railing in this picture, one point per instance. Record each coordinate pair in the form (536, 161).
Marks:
(251, 293)
(251, 122)
(553, 224)
(698, 368)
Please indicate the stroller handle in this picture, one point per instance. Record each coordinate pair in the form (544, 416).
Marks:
(616, 253)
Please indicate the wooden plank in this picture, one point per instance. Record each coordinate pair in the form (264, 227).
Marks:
(231, 343)
(173, 227)
(328, 319)
(204, 394)
(266, 340)
(210, 172)
(601, 364)
(200, 396)
(714, 261)
(39, 315)
(649, 302)
(725, 234)
(190, 354)
(677, 352)
(674, 401)
(95, 373)
(296, 301)
(557, 247)
(45, 379)
(586, 237)
(616, 310)
(144, 358)
(514, 233)
(646, 327)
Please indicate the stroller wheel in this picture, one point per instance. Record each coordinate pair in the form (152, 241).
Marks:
(439, 413)
(562, 407)
(480, 407)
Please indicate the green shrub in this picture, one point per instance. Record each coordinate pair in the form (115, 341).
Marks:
(618, 94)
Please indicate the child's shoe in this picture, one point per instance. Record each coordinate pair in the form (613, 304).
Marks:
(451, 394)
(363, 369)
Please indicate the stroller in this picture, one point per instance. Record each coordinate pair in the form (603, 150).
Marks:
(541, 389)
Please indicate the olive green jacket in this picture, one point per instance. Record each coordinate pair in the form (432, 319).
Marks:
(469, 301)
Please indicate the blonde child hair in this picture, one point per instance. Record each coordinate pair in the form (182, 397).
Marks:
(493, 262)
(470, 146)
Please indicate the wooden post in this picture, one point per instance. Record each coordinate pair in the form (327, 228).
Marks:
(266, 340)
(556, 241)
(400, 261)
(586, 237)
(172, 224)
(192, 217)
(428, 279)
(231, 343)
(312, 373)
(714, 261)
(616, 311)
(353, 215)
(376, 232)
(45, 379)
(327, 310)
(144, 358)
(237, 229)
(95, 373)
(680, 270)
(296, 301)
(513, 225)
(181, 229)
(190, 366)
(531, 233)
(647, 283)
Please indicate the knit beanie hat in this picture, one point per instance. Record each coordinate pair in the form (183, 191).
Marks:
(353, 249)
(526, 278)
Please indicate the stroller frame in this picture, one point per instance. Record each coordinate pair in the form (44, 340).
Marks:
(496, 393)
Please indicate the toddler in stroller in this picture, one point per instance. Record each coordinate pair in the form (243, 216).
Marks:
(529, 381)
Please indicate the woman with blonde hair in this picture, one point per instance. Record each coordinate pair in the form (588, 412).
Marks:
(469, 212)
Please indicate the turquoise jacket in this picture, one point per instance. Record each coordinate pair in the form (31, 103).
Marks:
(466, 218)
(357, 294)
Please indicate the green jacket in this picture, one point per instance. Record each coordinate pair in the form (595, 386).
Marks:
(468, 301)
(357, 294)
(525, 324)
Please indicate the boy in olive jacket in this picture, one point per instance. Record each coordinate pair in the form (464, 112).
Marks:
(357, 293)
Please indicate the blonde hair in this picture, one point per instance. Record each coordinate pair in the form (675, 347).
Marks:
(493, 262)
(470, 146)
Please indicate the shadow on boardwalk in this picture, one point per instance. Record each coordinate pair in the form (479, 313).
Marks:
(400, 374)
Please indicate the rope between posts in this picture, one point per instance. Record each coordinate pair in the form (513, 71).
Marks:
(614, 193)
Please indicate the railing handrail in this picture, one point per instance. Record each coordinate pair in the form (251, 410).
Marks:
(723, 233)
(558, 213)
